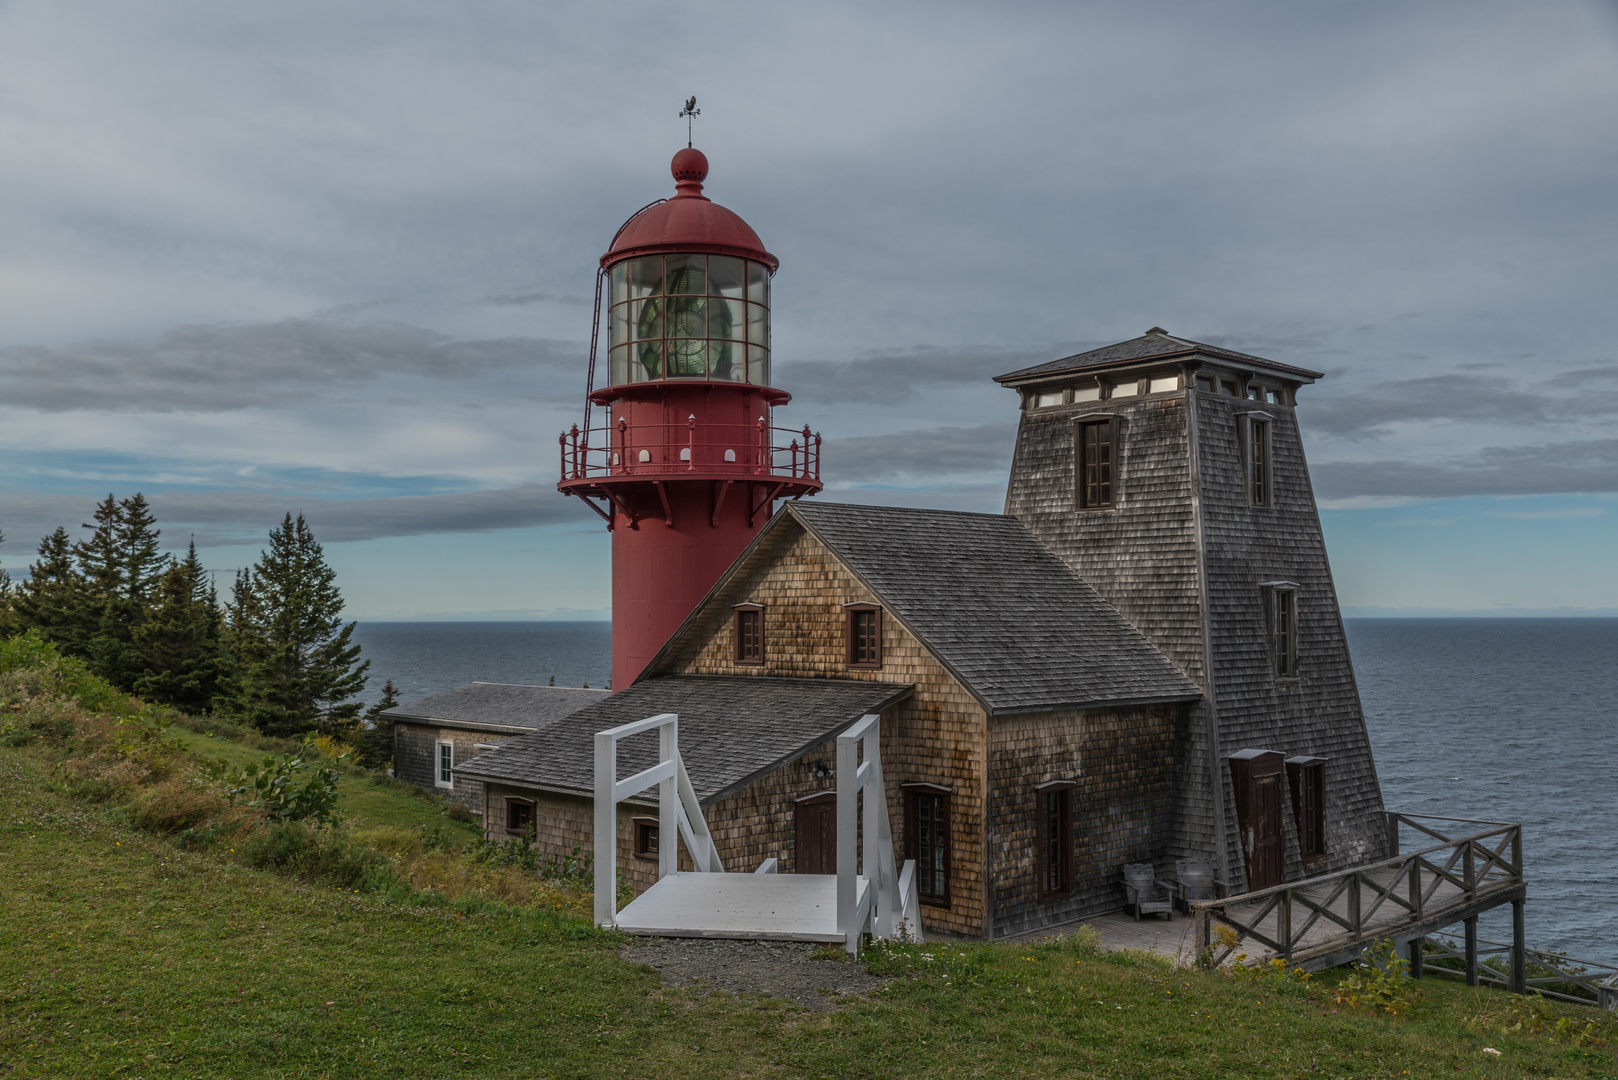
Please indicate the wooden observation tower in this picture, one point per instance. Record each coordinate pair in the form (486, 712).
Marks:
(686, 465)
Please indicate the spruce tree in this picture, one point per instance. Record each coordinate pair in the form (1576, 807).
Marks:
(177, 648)
(120, 566)
(8, 596)
(54, 596)
(375, 749)
(295, 664)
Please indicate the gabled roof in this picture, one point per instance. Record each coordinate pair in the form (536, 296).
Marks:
(502, 707)
(1011, 621)
(733, 729)
(1151, 346)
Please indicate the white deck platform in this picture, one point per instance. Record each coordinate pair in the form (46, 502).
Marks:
(773, 907)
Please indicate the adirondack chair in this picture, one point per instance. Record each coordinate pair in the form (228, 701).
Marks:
(1194, 881)
(1145, 893)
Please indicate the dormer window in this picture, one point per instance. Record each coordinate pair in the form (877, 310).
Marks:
(749, 633)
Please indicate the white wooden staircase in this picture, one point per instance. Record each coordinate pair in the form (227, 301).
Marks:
(864, 897)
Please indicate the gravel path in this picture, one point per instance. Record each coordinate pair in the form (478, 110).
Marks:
(780, 969)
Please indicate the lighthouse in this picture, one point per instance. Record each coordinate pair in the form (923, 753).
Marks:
(678, 451)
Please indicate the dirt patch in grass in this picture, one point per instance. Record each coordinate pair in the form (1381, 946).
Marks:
(778, 969)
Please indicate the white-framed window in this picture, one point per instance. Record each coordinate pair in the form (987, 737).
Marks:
(444, 774)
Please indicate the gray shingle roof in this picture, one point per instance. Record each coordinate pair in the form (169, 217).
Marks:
(1012, 621)
(498, 706)
(732, 730)
(1149, 346)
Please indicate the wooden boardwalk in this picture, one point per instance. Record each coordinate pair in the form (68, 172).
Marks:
(1327, 920)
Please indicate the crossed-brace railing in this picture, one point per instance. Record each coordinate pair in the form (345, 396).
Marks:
(1554, 975)
(1327, 919)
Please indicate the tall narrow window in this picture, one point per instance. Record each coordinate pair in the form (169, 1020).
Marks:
(1281, 610)
(446, 765)
(1095, 461)
(750, 634)
(927, 841)
(1307, 778)
(864, 636)
(1054, 836)
(1258, 461)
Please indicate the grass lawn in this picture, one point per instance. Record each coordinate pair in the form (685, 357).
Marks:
(123, 956)
(361, 800)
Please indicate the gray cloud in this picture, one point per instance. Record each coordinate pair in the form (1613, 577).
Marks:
(921, 455)
(523, 299)
(900, 374)
(1355, 413)
(235, 517)
(1589, 466)
(216, 368)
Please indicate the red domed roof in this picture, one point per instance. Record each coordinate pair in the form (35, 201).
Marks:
(688, 222)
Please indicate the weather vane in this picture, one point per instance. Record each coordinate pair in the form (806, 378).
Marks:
(686, 114)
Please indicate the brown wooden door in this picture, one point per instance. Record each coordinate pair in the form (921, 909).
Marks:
(817, 835)
(1267, 864)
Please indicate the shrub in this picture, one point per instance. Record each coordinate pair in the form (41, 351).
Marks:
(174, 805)
(322, 855)
(1381, 981)
(274, 790)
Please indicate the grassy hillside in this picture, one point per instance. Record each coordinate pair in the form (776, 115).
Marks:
(127, 953)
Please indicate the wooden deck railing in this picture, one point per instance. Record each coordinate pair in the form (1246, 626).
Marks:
(1328, 917)
(1587, 982)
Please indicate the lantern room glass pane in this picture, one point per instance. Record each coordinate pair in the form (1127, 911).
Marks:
(618, 292)
(648, 360)
(758, 283)
(725, 277)
(758, 365)
(687, 359)
(620, 364)
(758, 325)
(727, 320)
(687, 275)
(646, 318)
(644, 276)
(618, 325)
(725, 361)
(687, 316)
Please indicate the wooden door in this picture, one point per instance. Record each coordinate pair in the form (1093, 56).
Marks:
(1256, 779)
(1267, 864)
(817, 834)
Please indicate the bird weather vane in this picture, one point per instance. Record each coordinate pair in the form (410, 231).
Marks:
(686, 114)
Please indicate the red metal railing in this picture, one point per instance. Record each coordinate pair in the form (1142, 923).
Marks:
(623, 449)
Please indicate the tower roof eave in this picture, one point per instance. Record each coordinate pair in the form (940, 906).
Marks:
(1148, 349)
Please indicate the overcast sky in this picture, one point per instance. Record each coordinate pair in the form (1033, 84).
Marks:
(338, 257)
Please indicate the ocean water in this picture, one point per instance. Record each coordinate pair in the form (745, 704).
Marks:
(1501, 719)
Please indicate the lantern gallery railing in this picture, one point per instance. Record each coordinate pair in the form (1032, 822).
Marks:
(1326, 920)
(624, 449)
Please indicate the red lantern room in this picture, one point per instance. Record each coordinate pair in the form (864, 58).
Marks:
(686, 463)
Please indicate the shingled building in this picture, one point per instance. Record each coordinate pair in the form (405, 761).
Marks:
(1142, 659)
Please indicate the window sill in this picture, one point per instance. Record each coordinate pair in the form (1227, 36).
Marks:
(1095, 510)
(863, 667)
(934, 901)
(749, 663)
(515, 832)
(1054, 897)
(645, 857)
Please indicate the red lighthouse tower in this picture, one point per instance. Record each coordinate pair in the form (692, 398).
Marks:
(686, 464)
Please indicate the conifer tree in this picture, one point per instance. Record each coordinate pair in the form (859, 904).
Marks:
(8, 595)
(375, 750)
(177, 649)
(120, 566)
(295, 665)
(53, 597)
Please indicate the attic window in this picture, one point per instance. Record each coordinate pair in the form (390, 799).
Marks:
(1163, 384)
(1125, 389)
(1087, 393)
(864, 636)
(1050, 398)
(749, 634)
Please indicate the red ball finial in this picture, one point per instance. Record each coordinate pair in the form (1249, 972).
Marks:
(690, 168)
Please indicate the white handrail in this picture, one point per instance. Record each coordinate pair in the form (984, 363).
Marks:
(887, 907)
(679, 814)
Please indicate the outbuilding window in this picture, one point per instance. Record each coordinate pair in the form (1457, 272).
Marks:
(1054, 837)
(927, 840)
(445, 774)
(1094, 452)
(749, 634)
(1307, 778)
(864, 636)
(646, 838)
(519, 816)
